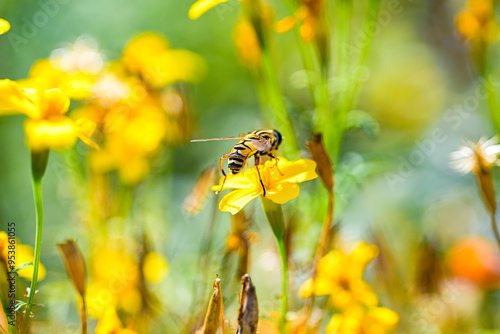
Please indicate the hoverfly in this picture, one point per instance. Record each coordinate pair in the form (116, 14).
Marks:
(257, 143)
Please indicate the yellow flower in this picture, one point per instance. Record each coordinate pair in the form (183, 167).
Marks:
(73, 69)
(133, 138)
(76, 85)
(109, 323)
(23, 255)
(340, 275)
(47, 126)
(477, 21)
(4, 26)
(359, 320)
(279, 181)
(115, 279)
(309, 15)
(200, 7)
(150, 56)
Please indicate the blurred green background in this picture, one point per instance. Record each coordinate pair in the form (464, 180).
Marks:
(420, 87)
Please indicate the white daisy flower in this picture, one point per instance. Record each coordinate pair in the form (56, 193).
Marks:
(476, 157)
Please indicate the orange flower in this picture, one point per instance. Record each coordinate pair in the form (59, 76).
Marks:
(476, 259)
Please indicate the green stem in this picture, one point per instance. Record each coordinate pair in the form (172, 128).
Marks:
(493, 104)
(38, 164)
(369, 29)
(284, 284)
(349, 96)
(334, 124)
(495, 228)
(278, 104)
(274, 214)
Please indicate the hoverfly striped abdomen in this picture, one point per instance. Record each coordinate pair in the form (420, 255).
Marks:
(239, 155)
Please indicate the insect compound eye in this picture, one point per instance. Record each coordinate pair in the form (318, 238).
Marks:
(278, 137)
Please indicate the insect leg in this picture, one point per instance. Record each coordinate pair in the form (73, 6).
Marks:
(257, 164)
(225, 156)
(274, 157)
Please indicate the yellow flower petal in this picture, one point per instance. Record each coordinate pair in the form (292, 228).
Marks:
(306, 289)
(334, 324)
(285, 24)
(172, 66)
(130, 300)
(143, 46)
(4, 26)
(238, 181)
(108, 322)
(134, 170)
(200, 7)
(57, 135)
(24, 254)
(14, 100)
(283, 192)
(84, 129)
(384, 317)
(237, 199)
(296, 171)
(53, 103)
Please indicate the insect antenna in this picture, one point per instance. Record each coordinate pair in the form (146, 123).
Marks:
(212, 139)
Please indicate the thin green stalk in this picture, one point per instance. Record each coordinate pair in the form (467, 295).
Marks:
(493, 104)
(494, 226)
(284, 283)
(278, 104)
(334, 125)
(348, 99)
(306, 52)
(253, 12)
(38, 165)
(369, 28)
(274, 214)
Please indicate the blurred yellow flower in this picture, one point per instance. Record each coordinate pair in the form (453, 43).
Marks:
(150, 56)
(340, 275)
(133, 137)
(280, 182)
(47, 126)
(116, 278)
(155, 267)
(23, 255)
(73, 69)
(477, 21)
(76, 85)
(114, 281)
(361, 320)
(109, 323)
(200, 7)
(313, 25)
(247, 44)
(4, 26)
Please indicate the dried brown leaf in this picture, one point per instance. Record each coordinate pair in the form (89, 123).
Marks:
(248, 312)
(75, 265)
(77, 272)
(324, 165)
(215, 312)
(201, 189)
